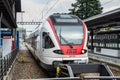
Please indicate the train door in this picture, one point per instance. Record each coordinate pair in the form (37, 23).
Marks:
(38, 43)
(41, 41)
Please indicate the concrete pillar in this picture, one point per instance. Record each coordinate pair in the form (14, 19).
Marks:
(1, 61)
(14, 36)
(91, 34)
(0, 34)
(119, 53)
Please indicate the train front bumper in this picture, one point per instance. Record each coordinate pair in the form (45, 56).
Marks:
(70, 61)
(64, 60)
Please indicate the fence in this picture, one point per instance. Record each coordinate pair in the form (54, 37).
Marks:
(6, 62)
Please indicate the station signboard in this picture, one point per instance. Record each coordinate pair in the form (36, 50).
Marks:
(6, 37)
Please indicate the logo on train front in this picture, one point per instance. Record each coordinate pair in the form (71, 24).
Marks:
(71, 51)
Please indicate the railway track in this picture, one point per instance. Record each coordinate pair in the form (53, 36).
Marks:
(114, 69)
(48, 74)
(31, 70)
(27, 68)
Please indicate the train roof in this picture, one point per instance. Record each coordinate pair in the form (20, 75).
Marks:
(65, 19)
(57, 15)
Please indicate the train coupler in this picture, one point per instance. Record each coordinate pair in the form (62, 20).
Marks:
(57, 71)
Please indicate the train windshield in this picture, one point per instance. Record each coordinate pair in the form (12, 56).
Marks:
(72, 34)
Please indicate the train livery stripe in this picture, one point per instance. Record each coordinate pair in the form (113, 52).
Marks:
(85, 35)
(52, 27)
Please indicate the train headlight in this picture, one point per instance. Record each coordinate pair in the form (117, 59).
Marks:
(84, 51)
(58, 51)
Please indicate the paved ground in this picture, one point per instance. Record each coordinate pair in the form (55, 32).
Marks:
(28, 69)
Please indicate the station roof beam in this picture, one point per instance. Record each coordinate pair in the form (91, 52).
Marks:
(111, 18)
(9, 14)
(29, 23)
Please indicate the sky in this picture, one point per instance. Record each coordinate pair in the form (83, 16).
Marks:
(37, 10)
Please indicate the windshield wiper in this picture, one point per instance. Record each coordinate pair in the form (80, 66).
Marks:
(66, 41)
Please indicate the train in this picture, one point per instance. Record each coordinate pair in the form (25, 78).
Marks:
(60, 39)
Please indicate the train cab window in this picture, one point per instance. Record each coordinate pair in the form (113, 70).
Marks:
(47, 42)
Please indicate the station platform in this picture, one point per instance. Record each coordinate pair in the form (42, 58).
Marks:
(106, 59)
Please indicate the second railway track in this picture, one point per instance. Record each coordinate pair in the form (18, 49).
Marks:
(28, 68)
(114, 69)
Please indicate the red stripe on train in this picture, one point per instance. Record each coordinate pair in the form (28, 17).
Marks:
(85, 33)
(52, 27)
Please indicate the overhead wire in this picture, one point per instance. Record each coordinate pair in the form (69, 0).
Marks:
(107, 2)
(43, 10)
(51, 7)
(44, 7)
(58, 1)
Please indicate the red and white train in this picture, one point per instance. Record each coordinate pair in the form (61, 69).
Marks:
(62, 38)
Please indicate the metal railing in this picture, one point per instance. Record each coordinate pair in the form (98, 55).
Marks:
(6, 62)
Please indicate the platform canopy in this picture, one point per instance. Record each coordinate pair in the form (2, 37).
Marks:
(111, 18)
(8, 9)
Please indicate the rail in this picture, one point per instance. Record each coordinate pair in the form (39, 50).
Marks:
(85, 72)
(79, 78)
(74, 70)
(6, 62)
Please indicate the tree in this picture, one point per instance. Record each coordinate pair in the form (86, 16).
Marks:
(22, 32)
(86, 8)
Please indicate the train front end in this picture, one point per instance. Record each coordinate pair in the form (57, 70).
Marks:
(69, 36)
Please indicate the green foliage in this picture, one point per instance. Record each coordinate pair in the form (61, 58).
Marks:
(20, 28)
(86, 8)
(103, 29)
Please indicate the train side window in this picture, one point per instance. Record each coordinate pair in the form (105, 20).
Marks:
(47, 42)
